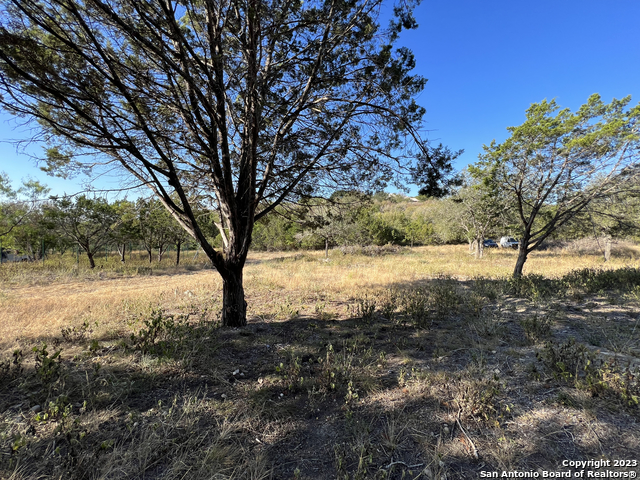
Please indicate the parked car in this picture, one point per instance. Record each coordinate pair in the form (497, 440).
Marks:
(509, 242)
(13, 256)
(488, 243)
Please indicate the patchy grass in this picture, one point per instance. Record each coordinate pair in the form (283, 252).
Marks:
(402, 365)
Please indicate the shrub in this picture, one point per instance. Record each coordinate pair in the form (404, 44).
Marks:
(574, 363)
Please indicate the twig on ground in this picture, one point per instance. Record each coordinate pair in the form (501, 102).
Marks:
(474, 450)
(402, 463)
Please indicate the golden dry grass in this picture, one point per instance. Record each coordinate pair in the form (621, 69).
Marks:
(33, 312)
(313, 388)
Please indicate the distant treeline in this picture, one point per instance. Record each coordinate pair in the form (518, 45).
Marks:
(93, 224)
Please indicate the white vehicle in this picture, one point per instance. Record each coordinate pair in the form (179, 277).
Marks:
(509, 242)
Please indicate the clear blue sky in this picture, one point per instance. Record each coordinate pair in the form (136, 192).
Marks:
(486, 62)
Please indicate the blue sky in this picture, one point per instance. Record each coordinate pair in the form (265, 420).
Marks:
(486, 62)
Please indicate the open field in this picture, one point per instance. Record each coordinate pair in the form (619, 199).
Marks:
(415, 363)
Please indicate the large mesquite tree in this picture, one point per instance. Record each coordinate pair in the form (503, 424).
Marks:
(234, 105)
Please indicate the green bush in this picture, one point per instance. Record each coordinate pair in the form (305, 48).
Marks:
(596, 280)
(573, 363)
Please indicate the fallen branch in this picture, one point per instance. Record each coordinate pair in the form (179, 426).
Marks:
(474, 450)
(402, 463)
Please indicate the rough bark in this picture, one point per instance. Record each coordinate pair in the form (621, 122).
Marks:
(607, 249)
(522, 258)
(92, 262)
(234, 306)
(178, 245)
(480, 250)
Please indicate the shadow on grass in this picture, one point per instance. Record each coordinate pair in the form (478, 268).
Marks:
(384, 394)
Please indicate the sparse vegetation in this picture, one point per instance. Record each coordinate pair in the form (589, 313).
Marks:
(411, 364)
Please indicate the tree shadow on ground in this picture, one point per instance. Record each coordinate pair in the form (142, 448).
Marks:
(445, 386)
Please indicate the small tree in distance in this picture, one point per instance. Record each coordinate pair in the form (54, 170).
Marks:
(155, 226)
(89, 222)
(482, 206)
(557, 162)
(18, 204)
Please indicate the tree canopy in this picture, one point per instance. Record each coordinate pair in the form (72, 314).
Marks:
(233, 105)
(557, 162)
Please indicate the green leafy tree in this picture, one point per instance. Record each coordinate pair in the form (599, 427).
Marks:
(34, 233)
(88, 222)
(248, 103)
(127, 230)
(482, 207)
(607, 219)
(334, 221)
(155, 226)
(418, 230)
(557, 162)
(438, 159)
(16, 205)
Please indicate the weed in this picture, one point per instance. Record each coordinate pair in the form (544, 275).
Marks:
(388, 300)
(290, 373)
(574, 363)
(76, 334)
(596, 280)
(534, 287)
(567, 400)
(634, 294)
(321, 312)
(478, 398)
(287, 311)
(60, 410)
(415, 307)
(475, 304)
(489, 323)
(11, 368)
(392, 436)
(537, 327)
(444, 296)
(489, 288)
(566, 361)
(47, 367)
(162, 334)
(365, 308)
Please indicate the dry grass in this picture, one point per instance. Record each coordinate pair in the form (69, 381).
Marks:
(32, 312)
(357, 367)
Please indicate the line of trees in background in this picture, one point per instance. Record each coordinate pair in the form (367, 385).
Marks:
(475, 211)
(88, 224)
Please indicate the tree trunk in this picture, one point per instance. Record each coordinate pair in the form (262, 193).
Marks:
(607, 249)
(522, 258)
(178, 245)
(471, 245)
(234, 307)
(326, 248)
(122, 251)
(92, 263)
(476, 247)
(480, 250)
(150, 255)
